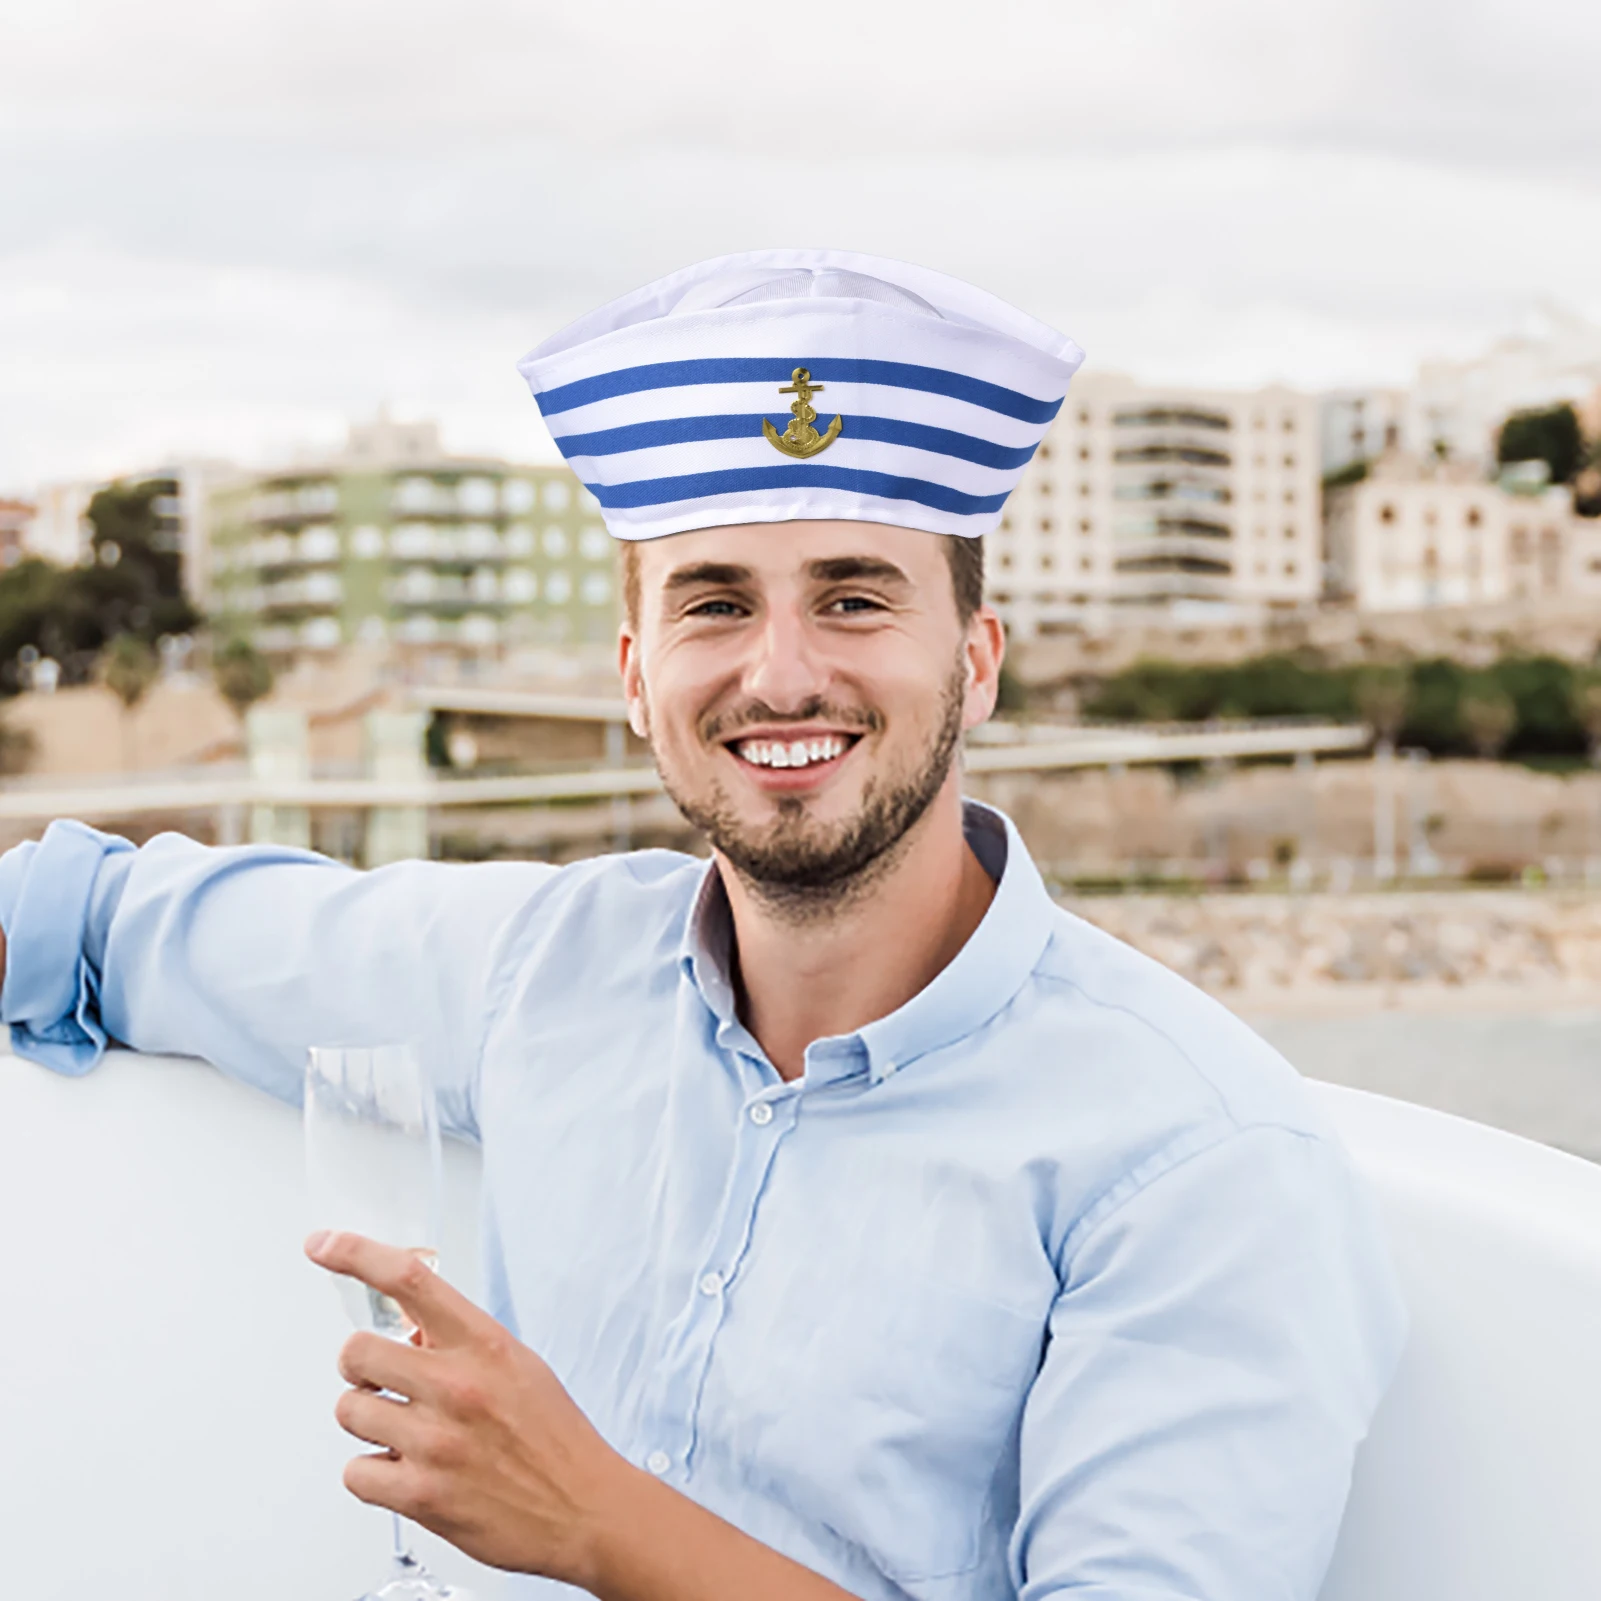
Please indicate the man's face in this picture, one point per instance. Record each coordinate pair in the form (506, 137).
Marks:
(804, 686)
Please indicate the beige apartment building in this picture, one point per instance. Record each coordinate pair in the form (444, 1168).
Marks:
(1421, 533)
(1170, 501)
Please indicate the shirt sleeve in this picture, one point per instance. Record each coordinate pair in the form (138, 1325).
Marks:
(246, 956)
(1217, 1350)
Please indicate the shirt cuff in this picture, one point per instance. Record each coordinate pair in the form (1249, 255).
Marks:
(51, 996)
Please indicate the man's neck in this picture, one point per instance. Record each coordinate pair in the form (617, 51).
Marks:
(807, 979)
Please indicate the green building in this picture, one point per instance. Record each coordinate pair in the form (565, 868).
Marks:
(394, 544)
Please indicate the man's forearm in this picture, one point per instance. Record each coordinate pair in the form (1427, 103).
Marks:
(657, 1545)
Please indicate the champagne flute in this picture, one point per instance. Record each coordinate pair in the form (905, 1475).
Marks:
(373, 1167)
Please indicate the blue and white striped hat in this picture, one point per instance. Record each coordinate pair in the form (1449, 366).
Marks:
(691, 402)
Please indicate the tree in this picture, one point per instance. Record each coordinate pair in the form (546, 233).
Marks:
(1383, 695)
(129, 669)
(1489, 716)
(1550, 434)
(242, 675)
(1587, 708)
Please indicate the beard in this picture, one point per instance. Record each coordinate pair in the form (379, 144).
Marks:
(797, 865)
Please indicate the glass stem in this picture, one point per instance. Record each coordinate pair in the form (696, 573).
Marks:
(404, 1560)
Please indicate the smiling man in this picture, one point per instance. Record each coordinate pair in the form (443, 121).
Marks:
(858, 1222)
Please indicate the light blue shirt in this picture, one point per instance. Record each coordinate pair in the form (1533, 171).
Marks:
(1050, 1283)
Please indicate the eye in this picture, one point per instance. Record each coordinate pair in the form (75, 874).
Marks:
(714, 608)
(855, 605)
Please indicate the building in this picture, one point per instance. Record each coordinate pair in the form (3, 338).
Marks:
(59, 531)
(1460, 405)
(395, 543)
(1422, 532)
(16, 521)
(1359, 424)
(1177, 501)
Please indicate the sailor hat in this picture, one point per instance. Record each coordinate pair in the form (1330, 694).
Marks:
(786, 384)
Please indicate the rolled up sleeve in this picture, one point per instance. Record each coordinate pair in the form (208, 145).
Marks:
(1220, 1343)
(245, 956)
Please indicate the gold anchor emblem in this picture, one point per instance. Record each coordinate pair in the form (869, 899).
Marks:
(800, 438)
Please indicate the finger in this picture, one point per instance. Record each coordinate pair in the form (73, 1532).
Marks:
(381, 1481)
(378, 1420)
(444, 1314)
(372, 1362)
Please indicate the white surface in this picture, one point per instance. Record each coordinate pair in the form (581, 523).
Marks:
(166, 1355)
(1482, 1474)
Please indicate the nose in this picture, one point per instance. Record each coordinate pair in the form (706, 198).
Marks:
(785, 670)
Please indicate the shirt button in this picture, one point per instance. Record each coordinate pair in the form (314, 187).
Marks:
(761, 1114)
(711, 1283)
(658, 1462)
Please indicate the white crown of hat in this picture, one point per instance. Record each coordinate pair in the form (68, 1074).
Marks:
(690, 403)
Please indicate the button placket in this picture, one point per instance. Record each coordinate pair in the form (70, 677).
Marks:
(672, 1419)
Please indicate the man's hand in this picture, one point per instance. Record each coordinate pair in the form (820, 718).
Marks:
(487, 1449)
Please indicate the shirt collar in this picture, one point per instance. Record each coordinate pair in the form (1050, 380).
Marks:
(979, 982)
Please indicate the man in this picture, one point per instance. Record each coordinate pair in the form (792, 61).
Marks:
(866, 1225)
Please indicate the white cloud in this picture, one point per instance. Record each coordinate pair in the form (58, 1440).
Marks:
(228, 227)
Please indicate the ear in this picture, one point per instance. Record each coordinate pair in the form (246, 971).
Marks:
(984, 651)
(629, 669)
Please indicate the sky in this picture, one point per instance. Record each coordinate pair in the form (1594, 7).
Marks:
(228, 228)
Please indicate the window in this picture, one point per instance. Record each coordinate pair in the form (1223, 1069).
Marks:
(1289, 569)
(520, 540)
(1289, 497)
(1044, 452)
(593, 543)
(1386, 514)
(1083, 452)
(556, 494)
(476, 496)
(558, 589)
(517, 495)
(1084, 419)
(1475, 517)
(1046, 525)
(1289, 461)
(520, 586)
(1289, 422)
(1085, 491)
(319, 543)
(367, 542)
(1047, 562)
(596, 589)
(1085, 525)
(1086, 564)
(555, 541)
(1045, 486)
(1289, 530)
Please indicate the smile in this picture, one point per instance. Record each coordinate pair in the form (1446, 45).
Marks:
(791, 753)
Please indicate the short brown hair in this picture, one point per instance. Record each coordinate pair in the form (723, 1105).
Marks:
(965, 554)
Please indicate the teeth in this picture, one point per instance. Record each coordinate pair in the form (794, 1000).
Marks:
(797, 753)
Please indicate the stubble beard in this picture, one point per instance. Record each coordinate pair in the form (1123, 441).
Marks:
(804, 870)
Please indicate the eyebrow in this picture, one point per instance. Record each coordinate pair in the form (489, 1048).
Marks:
(706, 572)
(842, 569)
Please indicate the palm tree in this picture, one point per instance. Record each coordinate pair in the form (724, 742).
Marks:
(242, 675)
(1489, 715)
(1383, 697)
(129, 668)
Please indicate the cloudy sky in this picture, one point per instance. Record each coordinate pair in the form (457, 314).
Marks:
(225, 228)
